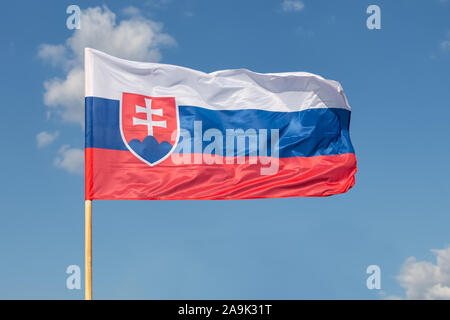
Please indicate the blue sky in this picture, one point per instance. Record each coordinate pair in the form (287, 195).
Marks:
(396, 80)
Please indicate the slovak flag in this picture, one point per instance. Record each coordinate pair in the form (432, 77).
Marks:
(157, 131)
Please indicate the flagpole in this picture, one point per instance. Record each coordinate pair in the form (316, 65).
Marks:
(88, 250)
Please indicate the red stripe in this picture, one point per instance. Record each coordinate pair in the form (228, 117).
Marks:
(114, 174)
(89, 173)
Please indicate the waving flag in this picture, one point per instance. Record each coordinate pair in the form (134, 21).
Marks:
(156, 131)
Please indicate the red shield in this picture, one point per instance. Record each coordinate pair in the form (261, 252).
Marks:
(149, 126)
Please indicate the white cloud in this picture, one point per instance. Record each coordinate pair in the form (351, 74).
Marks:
(56, 54)
(425, 280)
(292, 5)
(44, 138)
(135, 38)
(65, 97)
(71, 159)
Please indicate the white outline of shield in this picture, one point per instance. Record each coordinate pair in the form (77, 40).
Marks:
(131, 150)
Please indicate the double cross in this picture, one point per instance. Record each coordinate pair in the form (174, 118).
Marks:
(149, 121)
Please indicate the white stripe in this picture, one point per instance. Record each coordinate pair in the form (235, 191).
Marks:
(108, 77)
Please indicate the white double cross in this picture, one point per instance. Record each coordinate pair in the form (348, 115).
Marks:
(149, 122)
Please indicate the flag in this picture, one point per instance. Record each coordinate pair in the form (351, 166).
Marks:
(158, 131)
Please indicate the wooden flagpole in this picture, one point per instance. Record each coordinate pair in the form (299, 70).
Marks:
(88, 250)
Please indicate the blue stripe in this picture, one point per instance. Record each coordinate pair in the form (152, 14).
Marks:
(102, 124)
(304, 133)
